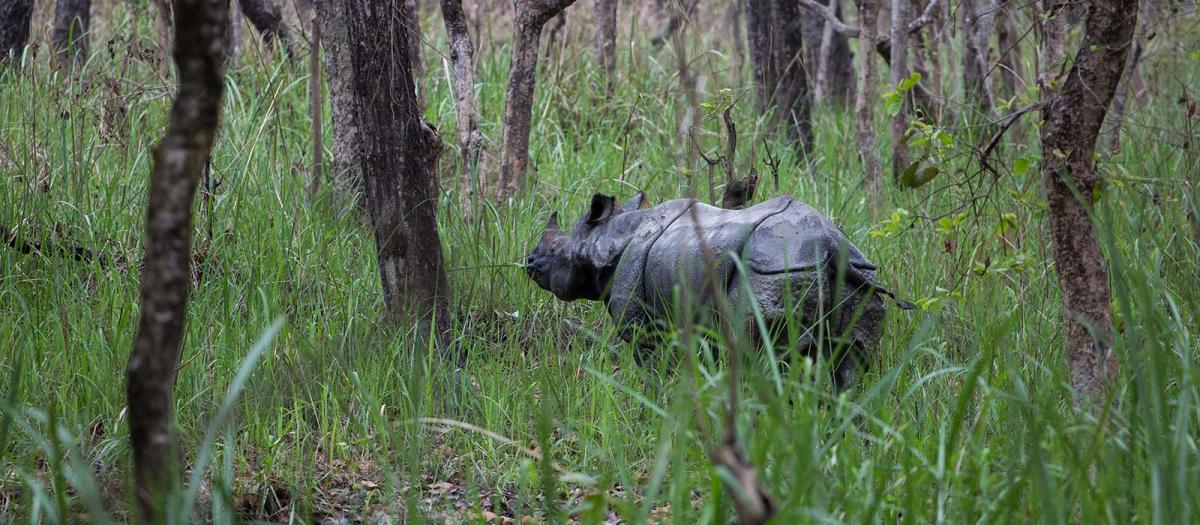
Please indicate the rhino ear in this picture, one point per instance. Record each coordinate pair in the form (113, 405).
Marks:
(634, 203)
(602, 208)
(552, 224)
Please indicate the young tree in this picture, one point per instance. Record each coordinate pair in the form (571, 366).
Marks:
(775, 35)
(606, 38)
(835, 62)
(15, 18)
(864, 102)
(462, 59)
(346, 171)
(71, 20)
(531, 15)
(979, 18)
(394, 148)
(899, 64)
(1072, 118)
(179, 162)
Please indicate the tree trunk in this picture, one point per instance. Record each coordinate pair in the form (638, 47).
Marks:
(163, 22)
(979, 17)
(1120, 99)
(393, 147)
(462, 58)
(835, 64)
(736, 7)
(71, 20)
(1072, 121)
(267, 19)
(864, 104)
(179, 162)
(412, 21)
(15, 19)
(347, 174)
(776, 50)
(899, 65)
(606, 38)
(316, 101)
(531, 15)
(1010, 62)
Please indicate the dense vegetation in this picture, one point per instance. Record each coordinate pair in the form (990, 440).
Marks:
(966, 415)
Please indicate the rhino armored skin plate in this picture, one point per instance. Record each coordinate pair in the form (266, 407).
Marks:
(640, 260)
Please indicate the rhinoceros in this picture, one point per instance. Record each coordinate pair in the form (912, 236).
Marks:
(639, 260)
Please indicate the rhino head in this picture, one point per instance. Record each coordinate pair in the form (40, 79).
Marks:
(580, 264)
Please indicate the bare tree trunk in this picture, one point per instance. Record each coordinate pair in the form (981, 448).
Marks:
(531, 15)
(179, 163)
(979, 16)
(899, 65)
(267, 19)
(864, 104)
(776, 50)
(316, 101)
(739, 44)
(1132, 64)
(71, 20)
(674, 20)
(606, 38)
(15, 19)
(835, 64)
(347, 171)
(462, 58)
(1072, 121)
(1009, 63)
(163, 22)
(395, 167)
(412, 20)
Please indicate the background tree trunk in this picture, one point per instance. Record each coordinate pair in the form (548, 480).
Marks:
(606, 38)
(978, 20)
(462, 59)
(1009, 47)
(531, 15)
(775, 31)
(736, 7)
(1072, 121)
(394, 149)
(835, 64)
(15, 18)
(179, 162)
(1120, 99)
(347, 173)
(899, 65)
(316, 102)
(267, 19)
(462, 55)
(71, 21)
(864, 103)
(412, 21)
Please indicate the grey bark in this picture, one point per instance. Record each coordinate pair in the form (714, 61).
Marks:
(531, 15)
(1072, 120)
(775, 35)
(15, 19)
(978, 21)
(1120, 99)
(71, 21)
(412, 21)
(606, 37)
(1009, 63)
(316, 102)
(864, 103)
(346, 176)
(899, 66)
(835, 63)
(462, 59)
(179, 161)
(736, 7)
(394, 148)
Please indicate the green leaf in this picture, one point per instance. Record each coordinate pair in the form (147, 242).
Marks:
(1021, 165)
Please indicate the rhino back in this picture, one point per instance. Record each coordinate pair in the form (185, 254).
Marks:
(799, 238)
(624, 299)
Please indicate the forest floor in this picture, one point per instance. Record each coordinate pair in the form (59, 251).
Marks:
(964, 416)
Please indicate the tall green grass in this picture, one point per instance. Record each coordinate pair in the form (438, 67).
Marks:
(965, 416)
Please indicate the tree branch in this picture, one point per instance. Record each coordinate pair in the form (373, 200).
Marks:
(831, 17)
